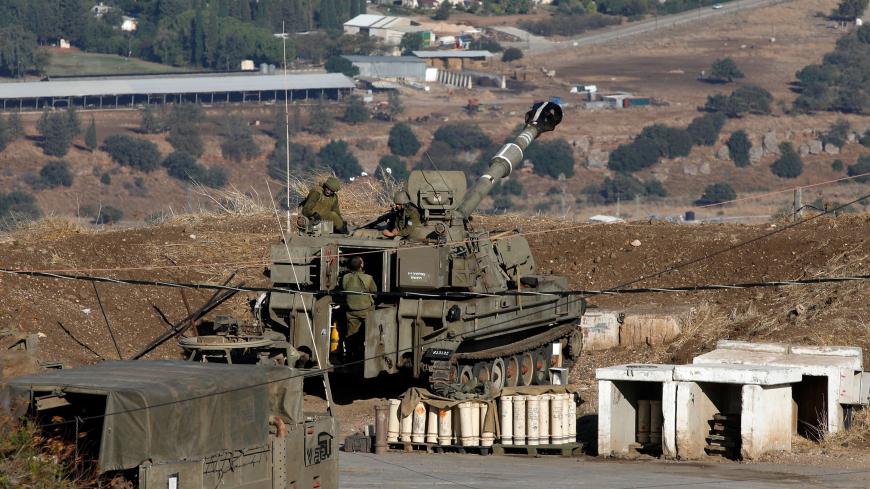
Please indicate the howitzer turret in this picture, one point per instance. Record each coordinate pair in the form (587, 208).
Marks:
(453, 301)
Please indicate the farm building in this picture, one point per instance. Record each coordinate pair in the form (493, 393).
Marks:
(130, 91)
(389, 29)
(455, 60)
(407, 67)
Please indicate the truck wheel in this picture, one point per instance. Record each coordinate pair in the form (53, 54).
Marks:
(512, 372)
(527, 368)
(498, 374)
(542, 367)
(465, 374)
(482, 371)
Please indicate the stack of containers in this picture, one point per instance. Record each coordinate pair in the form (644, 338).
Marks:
(544, 419)
(464, 424)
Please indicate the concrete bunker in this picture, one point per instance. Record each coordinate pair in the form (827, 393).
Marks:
(636, 409)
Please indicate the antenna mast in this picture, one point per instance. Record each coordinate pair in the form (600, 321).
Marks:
(286, 125)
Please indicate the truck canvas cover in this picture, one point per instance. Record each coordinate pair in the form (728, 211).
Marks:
(167, 411)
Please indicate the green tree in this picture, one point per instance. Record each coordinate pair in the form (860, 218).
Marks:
(356, 111)
(302, 158)
(336, 155)
(4, 134)
(55, 174)
(717, 193)
(739, 146)
(19, 53)
(340, 64)
(552, 157)
(394, 104)
(486, 44)
(850, 9)
(91, 136)
(56, 133)
(320, 121)
(621, 187)
(725, 70)
(138, 154)
(705, 129)
(861, 167)
(789, 164)
(17, 207)
(462, 136)
(411, 41)
(105, 214)
(442, 12)
(15, 127)
(511, 54)
(838, 166)
(837, 133)
(238, 139)
(184, 128)
(865, 139)
(393, 166)
(746, 99)
(403, 141)
(152, 121)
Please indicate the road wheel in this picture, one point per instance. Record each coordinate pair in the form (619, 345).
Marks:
(527, 368)
(512, 371)
(542, 367)
(498, 376)
(482, 371)
(465, 374)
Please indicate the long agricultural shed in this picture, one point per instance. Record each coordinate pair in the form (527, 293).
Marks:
(130, 91)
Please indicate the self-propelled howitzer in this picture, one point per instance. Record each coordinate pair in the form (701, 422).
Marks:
(454, 301)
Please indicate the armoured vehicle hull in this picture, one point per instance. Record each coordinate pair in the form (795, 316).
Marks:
(454, 302)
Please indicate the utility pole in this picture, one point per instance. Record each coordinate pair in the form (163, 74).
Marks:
(797, 205)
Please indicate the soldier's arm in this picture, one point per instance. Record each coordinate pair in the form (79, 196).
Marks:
(370, 285)
(413, 217)
(308, 205)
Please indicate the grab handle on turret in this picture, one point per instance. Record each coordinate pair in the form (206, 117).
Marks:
(543, 117)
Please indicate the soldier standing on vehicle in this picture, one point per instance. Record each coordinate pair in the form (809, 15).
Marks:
(359, 305)
(322, 205)
(405, 216)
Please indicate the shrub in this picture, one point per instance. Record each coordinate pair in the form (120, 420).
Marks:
(552, 157)
(462, 136)
(337, 156)
(15, 126)
(302, 158)
(5, 136)
(184, 167)
(393, 166)
(725, 70)
(339, 64)
(746, 99)
(138, 154)
(403, 141)
(623, 187)
(411, 41)
(238, 140)
(320, 121)
(839, 83)
(671, 141)
(511, 186)
(152, 121)
(356, 111)
(442, 12)
(860, 167)
(837, 133)
(865, 139)
(17, 207)
(705, 129)
(789, 164)
(106, 179)
(106, 214)
(850, 9)
(55, 173)
(184, 133)
(739, 146)
(91, 136)
(634, 156)
(716, 193)
(568, 25)
(486, 44)
(57, 130)
(511, 54)
(502, 203)
(654, 188)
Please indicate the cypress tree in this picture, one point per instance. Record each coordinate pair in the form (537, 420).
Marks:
(4, 134)
(16, 128)
(91, 136)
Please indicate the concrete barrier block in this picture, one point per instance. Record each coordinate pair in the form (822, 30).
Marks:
(737, 374)
(637, 372)
(648, 329)
(600, 330)
(749, 346)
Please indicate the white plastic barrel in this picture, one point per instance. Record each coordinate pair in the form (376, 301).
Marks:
(506, 415)
(445, 426)
(544, 418)
(519, 420)
(418, 423)
(643, 412)
(556, 419)
(572, 419)
(655, 422)
(566, 418)
(432, 425)
(393, 420)
(533, 420)
(407, 427)
(486, 437)
(465, 424)
(475, 424)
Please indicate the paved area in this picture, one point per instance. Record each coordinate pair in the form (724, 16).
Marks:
(398, 470)
(536, 44)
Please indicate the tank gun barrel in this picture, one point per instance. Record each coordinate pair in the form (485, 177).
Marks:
(543, 117)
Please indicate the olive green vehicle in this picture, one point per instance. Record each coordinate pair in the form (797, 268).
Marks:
(455, 301)
(184, 425)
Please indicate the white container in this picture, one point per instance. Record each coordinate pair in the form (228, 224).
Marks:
(465, 424)
(445, 426)
(566, 418)
(556, 419)
(393, 420)
(572, 419)
(506, 415)
(486, 437)
(544, 418)
(432, 425)
(533, 420)
(475, 424)
(407, 427)
(418, 423)
(519, 420)
(643, 411)
(655, 422)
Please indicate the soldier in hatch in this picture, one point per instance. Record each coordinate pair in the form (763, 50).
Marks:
(322, 205)
(358, 305)
(405, 216)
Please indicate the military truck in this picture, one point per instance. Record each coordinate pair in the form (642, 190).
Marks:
(184, 425)
(455, 301)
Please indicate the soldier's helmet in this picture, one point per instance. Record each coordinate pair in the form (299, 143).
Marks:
(332, 183)
(401, 198)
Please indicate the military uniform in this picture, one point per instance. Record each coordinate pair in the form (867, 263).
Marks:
(358, 307)
(407, 219)
(326, 207)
